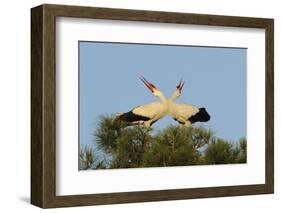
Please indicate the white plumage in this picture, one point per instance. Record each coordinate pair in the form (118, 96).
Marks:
(154, 110)
(182, 112)
(149, 113)
(186, 114)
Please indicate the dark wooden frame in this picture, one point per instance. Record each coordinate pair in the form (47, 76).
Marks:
(43, 105)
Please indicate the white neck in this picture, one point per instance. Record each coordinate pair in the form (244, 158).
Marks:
(162, 97)
(174, 96)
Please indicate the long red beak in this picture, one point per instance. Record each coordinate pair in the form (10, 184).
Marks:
(180, 85)
(149, 85)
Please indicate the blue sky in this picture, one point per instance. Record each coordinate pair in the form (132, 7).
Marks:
(215, 79)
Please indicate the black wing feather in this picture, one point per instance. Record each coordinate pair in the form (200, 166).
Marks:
(201, 116)
(132, 117)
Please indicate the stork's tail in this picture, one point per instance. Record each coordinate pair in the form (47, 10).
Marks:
(119, 116)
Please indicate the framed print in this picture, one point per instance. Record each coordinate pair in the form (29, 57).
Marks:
(136, 106)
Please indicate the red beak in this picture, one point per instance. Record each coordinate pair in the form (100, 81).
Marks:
(149, 85)
(180, 85)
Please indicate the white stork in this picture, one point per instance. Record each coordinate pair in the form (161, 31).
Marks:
(149, 113)
(186, 114)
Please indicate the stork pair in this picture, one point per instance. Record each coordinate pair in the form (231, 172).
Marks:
(148, 114)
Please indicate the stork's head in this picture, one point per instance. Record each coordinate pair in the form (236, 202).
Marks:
(179, 87)
(151, 87)
(178, 90)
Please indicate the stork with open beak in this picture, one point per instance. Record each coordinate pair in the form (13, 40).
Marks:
(183, 113)
(149, 113)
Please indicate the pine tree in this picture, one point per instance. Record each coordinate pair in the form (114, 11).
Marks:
(88, 160)
(135, 146)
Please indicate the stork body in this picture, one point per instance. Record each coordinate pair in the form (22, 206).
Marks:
(186, 114)
(149, 113)
(146, 114)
